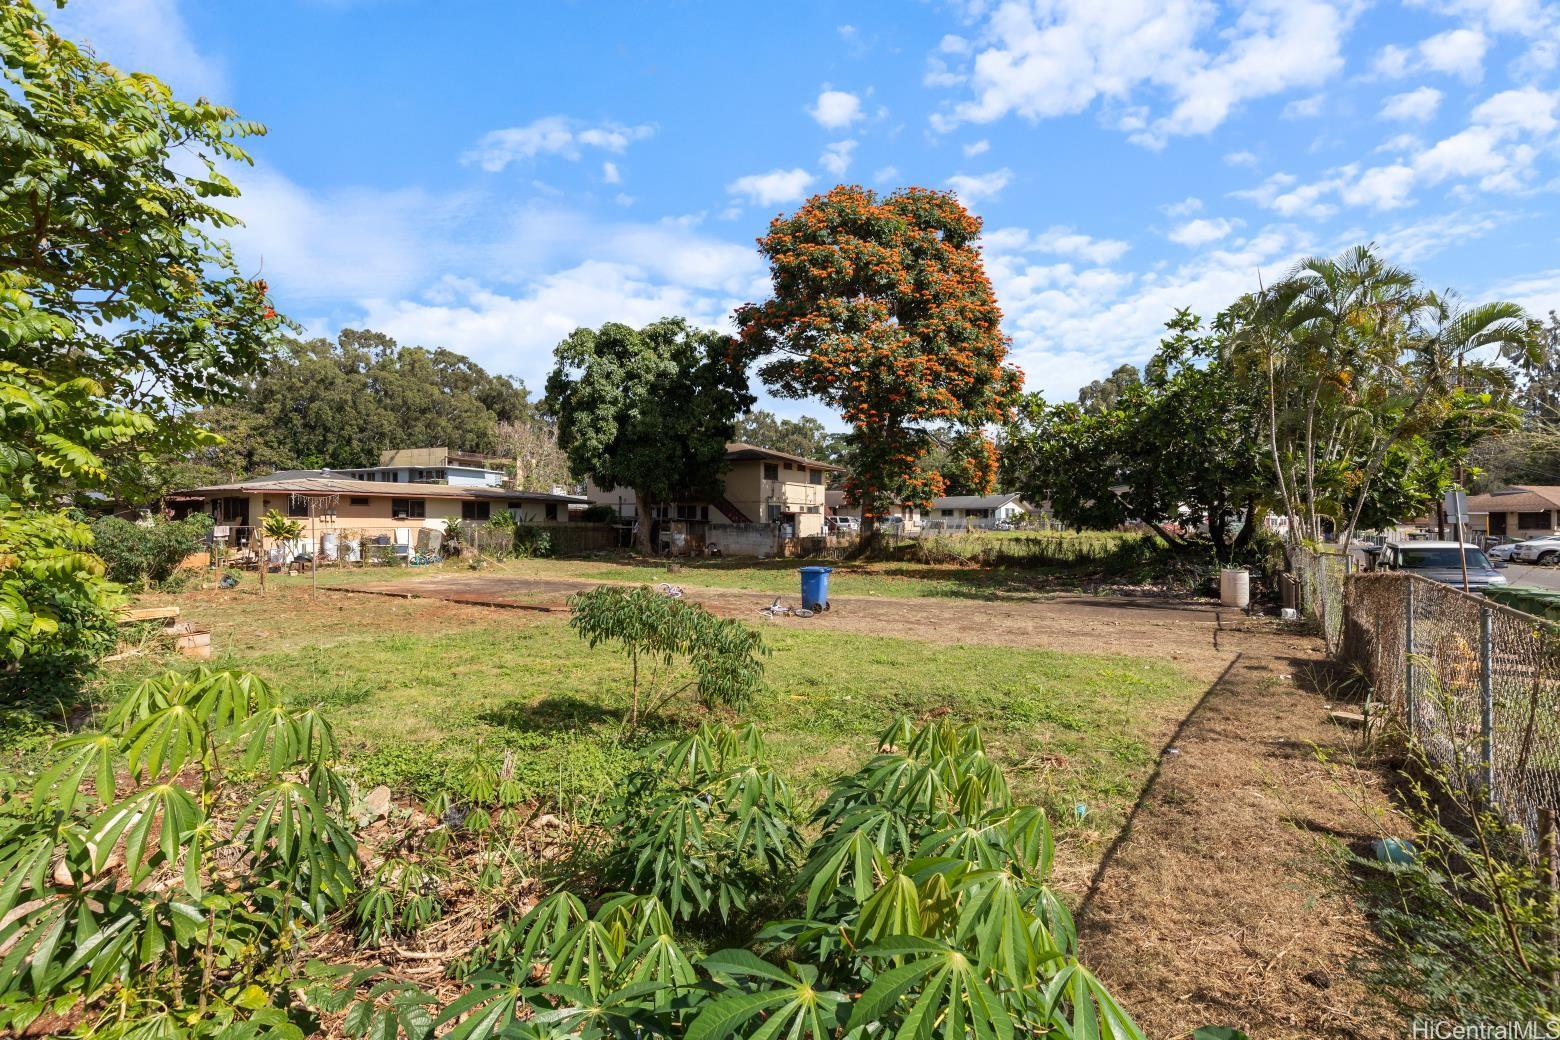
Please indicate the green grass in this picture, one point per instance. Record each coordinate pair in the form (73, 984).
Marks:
(414, 698)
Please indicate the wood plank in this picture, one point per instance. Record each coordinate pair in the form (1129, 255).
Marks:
(130, 615)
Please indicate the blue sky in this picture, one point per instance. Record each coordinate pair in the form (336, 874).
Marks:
(488, 176)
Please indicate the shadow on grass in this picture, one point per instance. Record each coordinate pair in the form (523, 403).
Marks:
(551, 714)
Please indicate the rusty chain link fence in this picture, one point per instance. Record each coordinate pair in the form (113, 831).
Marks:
(1474, 683)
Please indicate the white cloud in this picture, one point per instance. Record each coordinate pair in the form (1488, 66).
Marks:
(1456, 52)
(145, 36)
(1185, 208)
(776, 186)
(835, 109)
(516, 332)
(1382, 187)
(975, 187)
(610, 174)
(550, 135)
(1056, 241)
(836, 157)
(885, 175)
(1040, 60)
(1241, 158)
(1538, 294)
(1305, 108)
(1202, 231)
(1497, 152)
(1416, 106)
(975, 148)
(1070, 325)
(1527, 109)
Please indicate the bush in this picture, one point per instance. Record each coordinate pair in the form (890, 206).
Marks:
(141, 554)
(147, 881)
(717, 657)
(599, 514)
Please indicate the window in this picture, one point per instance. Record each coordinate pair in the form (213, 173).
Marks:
(552, 511)
(771, 471)
(409, 508)
(946, 512)
(474, 510)
(297, 505)
(357, 501)
(1534, 521)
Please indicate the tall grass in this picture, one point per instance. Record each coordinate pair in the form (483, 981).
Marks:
(1110, 551)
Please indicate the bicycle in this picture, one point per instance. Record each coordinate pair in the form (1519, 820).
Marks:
(778, 609)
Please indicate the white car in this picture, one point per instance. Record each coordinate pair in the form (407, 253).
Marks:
(1502, 551)
(1537, 550)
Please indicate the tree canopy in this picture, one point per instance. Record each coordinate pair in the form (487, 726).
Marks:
(1343, 398)
(320, 403)
(882, 309)
(650, 409)
(806, 436)
(120, 312)
(1181, 451)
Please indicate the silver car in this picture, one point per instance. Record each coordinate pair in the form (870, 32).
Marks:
(1438, 561)
(1545, 549)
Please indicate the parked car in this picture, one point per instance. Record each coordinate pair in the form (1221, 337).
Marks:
(1501, 553)
(1438, 561)
(843, 524)
(1538, 550)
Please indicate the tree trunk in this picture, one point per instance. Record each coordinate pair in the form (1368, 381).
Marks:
(646, 510)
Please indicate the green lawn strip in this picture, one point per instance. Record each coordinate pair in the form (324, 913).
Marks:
(1071, 729)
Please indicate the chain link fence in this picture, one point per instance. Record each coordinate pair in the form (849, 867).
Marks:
(1474, 683)
(1322, 577)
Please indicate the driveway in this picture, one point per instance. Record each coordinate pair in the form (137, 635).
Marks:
(1537, 577)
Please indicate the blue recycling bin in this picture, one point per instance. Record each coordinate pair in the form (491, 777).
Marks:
(815, 588)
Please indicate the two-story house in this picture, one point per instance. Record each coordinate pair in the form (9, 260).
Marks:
(761, 486)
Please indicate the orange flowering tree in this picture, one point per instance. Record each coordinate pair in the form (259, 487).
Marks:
(882, 309)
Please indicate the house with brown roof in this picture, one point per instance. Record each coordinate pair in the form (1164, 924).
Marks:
(350, 507)
(1520, 511)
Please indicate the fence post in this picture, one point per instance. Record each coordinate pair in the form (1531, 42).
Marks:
(1487, 701)
(1408, 658)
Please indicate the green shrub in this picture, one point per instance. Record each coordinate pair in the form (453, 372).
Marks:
(160, 870)
(599, 514)
(686, 645)
(141, 554)
(921, 909)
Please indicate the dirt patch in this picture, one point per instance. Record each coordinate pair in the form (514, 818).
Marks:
(1139, 627)
(1218, 904)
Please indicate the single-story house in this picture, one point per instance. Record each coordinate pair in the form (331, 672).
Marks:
(760, 486)
(1520, 511)
(836, 504)
(978, 511)
(366, 507)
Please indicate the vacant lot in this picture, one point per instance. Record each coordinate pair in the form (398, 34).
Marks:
(1174, 748)
(417, 686)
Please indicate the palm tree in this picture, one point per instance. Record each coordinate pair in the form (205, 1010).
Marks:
(1356, 356)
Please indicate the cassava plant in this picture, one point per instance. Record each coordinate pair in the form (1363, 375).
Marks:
(921, 911)
(673, 647)
(159, 871)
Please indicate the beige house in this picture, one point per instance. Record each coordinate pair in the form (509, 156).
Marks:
(364, 508)
(761, 487)
(1524, 511)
